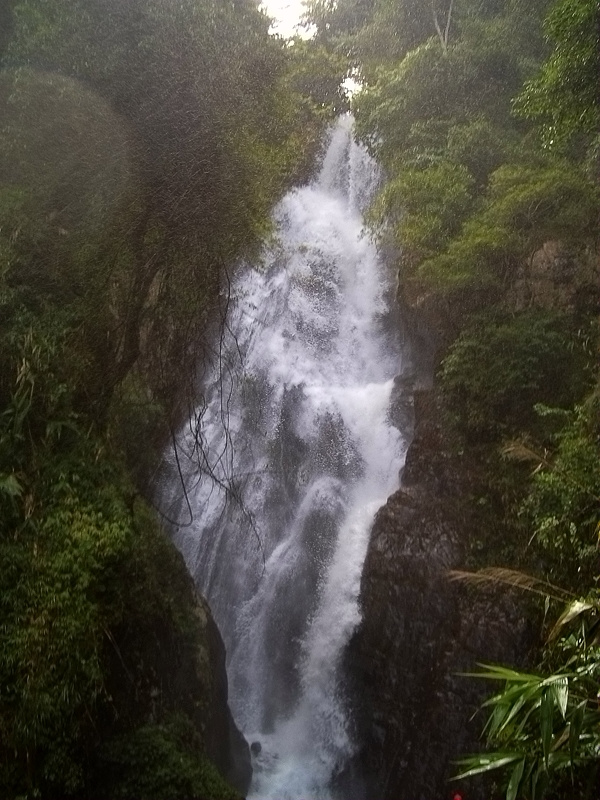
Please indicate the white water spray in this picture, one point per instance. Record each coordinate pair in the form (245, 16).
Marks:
(297, 434)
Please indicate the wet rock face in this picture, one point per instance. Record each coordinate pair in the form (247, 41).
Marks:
(207, 700)
(162, 667)
(419, 630)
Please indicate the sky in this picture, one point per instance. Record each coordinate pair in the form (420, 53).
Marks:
(286, 12)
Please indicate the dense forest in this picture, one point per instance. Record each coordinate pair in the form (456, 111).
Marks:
(142, 147)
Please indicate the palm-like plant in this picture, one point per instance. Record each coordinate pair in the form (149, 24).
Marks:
(543, 729)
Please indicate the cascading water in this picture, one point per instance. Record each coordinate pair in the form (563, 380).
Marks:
(297, 437)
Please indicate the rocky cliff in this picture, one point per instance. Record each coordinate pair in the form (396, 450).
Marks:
(167, 685)
(225, 744)
(420, 630)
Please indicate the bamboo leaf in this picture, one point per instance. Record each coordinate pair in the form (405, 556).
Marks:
(513, 711)
(498, 672)
(525, 719)
(494, 723)
(510, 577)
(575, 728)
(561, 695)
(560, 740)
(519, 450)
(546, 714)
(539, 783)
(515, 780)
(487, 763)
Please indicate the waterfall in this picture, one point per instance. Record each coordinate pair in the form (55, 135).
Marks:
(298, 451)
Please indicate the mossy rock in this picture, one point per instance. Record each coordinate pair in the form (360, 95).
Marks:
(160, 761)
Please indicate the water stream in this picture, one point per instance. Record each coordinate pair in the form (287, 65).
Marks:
(299, 450)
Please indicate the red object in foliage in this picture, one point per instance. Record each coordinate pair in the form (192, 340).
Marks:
(457, 796)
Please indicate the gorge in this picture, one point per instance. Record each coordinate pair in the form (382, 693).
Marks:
(377, 392)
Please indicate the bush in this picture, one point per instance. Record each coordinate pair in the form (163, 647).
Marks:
(499, 368)
(59, 594)
(432, 204)
(563, 508)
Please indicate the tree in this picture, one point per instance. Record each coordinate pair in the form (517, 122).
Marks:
(565, 96)
(501, 366)
(372, 32)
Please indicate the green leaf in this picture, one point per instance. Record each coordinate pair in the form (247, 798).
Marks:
(560, 691)
(561, 738)
(497, 719)
(540, 783)
(515, 780)
(513, 711)
(10, 486)
(498, 672)
(576, 724)
(546, 714)
(486, 763)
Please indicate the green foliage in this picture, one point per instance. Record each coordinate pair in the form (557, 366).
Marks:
(469, 198)
(67, 150)
(316, 76)
(428, 106)
(474, 80)
(563, 507)
(376, 31)
(543, 729)
(333, 18)
(142, 146)
(524, 207)
(158, 761)
(199, 78)
(434, 201)
(97, 614)
(499, 368)
(480, 146)
(95, 602)
(564, 96)
(59, 566)
(37, 402)
(141, 150)
(545, 726)
(542, 202)
(447, 113)
(408, 93)
(68, 199)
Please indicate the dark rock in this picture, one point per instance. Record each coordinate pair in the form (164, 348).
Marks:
(420, 630)
(166, 661)
(225, 744)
